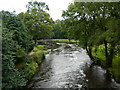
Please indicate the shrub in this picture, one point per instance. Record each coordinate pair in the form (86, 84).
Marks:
(39, 47)
(22, 56)
(38, 57)
(30, 69)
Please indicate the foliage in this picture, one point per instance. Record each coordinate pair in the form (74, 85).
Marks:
(115, 69)
(22, 56)
(58, 29)
(94, 24)
(37, 20)
(18, 32)
(11, 77)
(39, 5)
(16, 44)
(29, 69)
(16, 26)
(98, 52)
(38, 57)
(30, 66)
(115, 65)
(39, 47)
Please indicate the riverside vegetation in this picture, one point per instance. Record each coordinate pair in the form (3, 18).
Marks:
(114, 70)
(19, 33)
(95, 27)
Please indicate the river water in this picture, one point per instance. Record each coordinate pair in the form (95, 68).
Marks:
(69, 67)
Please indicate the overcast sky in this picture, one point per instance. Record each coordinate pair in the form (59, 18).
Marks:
(55, 6)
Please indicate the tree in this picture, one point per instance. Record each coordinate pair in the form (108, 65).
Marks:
(79, 25)
(97, 24)
(37, 20)
(11, 77)
(14, 24)
(59, 33)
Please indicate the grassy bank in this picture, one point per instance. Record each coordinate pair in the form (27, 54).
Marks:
(32, 61)
(39, 47)
(115, 69)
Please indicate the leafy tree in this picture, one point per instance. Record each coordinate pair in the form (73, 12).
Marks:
(79, 25)
(11, 77)
(109, 37)
(96, 24)
(16, 26)
(59, 33)
(37, 20)
(41, 6)
(14, 38)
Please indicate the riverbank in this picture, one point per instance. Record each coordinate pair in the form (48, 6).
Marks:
(32, 61)
(37, 56)
(114, 70)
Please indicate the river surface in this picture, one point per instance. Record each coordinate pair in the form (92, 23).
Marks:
(69, 67)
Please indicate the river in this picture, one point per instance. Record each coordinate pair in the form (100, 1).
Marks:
(69, 67)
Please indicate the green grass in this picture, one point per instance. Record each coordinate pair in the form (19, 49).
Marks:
(64, 40)
(115, 69)
(61, 40)
(39, 47)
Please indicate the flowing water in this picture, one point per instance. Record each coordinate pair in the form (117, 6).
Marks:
(69, 67)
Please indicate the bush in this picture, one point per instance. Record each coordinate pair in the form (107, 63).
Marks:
(30, 69)
(39, 47)
(11, 77)
(38, 57)
(22, 56)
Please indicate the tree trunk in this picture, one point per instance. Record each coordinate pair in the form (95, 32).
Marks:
(69, 40)
(108, 76)
(106, 52)
(89, 51)
(111, 55)
(86, 47)
(35, 41)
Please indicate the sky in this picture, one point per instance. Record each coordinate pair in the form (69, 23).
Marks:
(56, 6)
